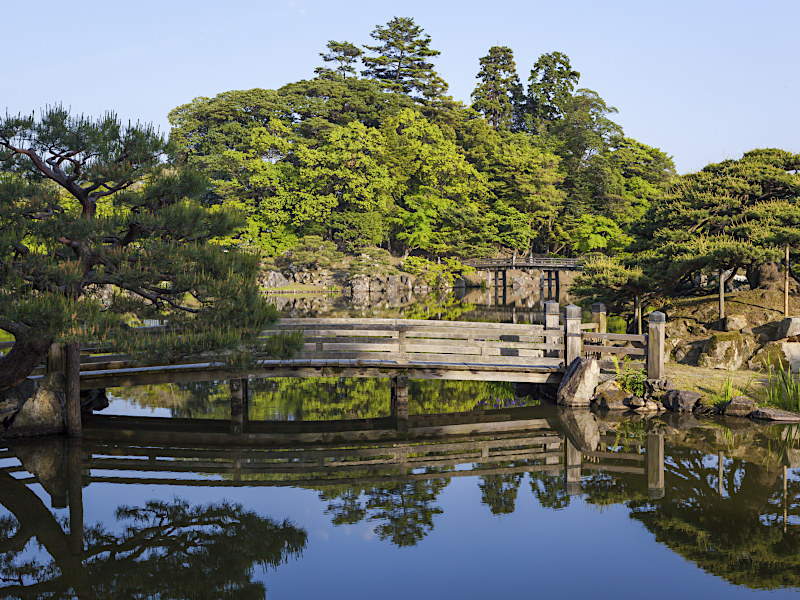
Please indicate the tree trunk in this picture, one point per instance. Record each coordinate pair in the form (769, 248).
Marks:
(721, 296)
(637, 313)
(786, 284)
(24, 357)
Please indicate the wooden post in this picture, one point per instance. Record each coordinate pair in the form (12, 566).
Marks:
(657, 324)
(541, 286)
(599, 317)
(637, 313)
(786, 284)
(56, 359)
(557, 275)
(551, 323)
(572, 334)
(73, 390)
(399, 402)
(654, 447)
(722, 297)
(572, 468)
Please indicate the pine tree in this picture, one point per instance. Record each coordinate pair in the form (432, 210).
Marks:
(95, 230)
(498, 96)
(401, 59)
(343, 53)
(552, 81)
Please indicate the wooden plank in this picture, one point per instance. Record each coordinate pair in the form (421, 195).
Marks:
(625, 337)
(614, 350)
(616, 455)
(614, 468)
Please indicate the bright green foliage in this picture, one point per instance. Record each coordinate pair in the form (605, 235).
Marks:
(372, 261)
(595, 232)
(345, 55)
(431, 175)
(311, 252)
(436, 274)
(401, 59)
(129, 239)
(498, 96)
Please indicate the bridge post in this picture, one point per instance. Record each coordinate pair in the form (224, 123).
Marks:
(399, 402)
(557, 275)
(572, 334)
(551, 323)
(73, 390)
(657, 324)
(654, 448)
(56, 359)
(599, 317)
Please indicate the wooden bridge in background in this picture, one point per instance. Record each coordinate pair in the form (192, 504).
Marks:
(550, 280)
(400, 349)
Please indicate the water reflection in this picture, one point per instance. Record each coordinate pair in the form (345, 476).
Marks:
(727, 499)
(164, 549)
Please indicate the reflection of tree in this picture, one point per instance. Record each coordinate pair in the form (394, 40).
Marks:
(499, 492)
(196, 400)
(405, 509)
(738, 535)
(549, 490)
(166, 549)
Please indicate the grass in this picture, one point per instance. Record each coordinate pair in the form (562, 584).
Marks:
(783, 388)
(728, 390)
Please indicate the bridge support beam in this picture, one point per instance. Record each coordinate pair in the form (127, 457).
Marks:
(552, 314)
(75, 496)
(399, 403)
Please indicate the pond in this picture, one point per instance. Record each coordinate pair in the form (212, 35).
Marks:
(514, 502)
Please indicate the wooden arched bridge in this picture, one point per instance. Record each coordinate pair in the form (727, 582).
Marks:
(399, 349)
(550, 268)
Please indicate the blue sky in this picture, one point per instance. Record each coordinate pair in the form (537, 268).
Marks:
(703, 80)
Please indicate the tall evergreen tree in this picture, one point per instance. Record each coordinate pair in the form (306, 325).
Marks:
(552, 81)
(498, 96)
(401, 60)
(344, 54)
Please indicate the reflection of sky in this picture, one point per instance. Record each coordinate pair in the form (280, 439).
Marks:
(126, 408)
(575, 552)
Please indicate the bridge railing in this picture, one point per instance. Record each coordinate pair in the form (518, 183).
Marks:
(419, 341)
(551, 263)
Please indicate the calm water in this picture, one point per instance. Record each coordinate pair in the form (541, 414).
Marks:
(567, 506)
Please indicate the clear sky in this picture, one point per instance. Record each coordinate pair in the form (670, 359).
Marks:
(703, 80)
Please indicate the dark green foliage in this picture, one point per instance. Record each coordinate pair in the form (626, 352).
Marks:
(498, 96)
(401, 59)
(97, 233)
(345, 55)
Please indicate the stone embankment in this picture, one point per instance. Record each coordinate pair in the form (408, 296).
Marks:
(582, 387)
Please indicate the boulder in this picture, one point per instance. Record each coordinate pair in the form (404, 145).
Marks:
(789, 327)
(610, 396)
(636, 402)
(681, 400)
(736, 323)
(738, 406)
(579, 383)
(274, 279)
(783, 352)
(773, 414)
(723, 351)
(43, 412)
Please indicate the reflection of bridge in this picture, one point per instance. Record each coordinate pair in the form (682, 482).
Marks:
(151, 451)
